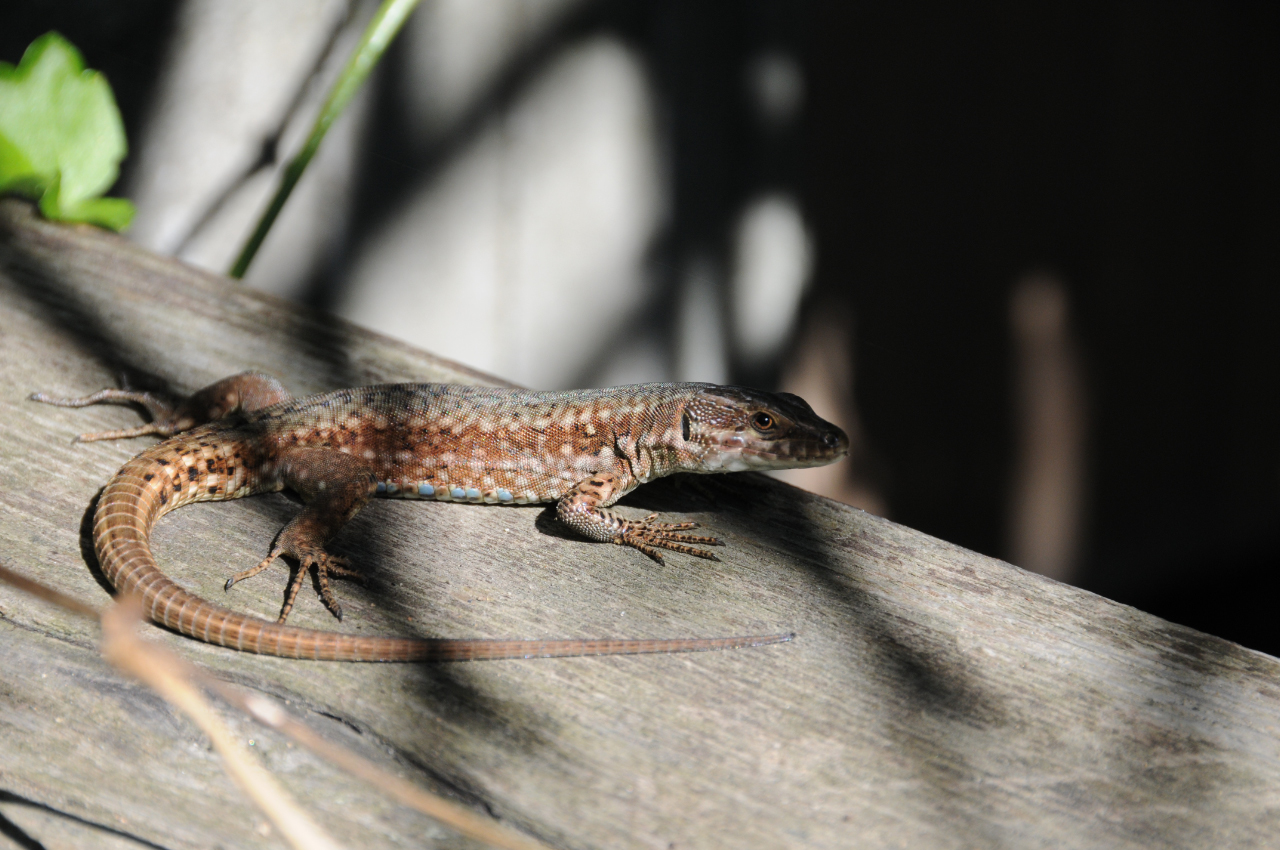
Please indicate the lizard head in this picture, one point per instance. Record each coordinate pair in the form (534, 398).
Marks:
(735, 428)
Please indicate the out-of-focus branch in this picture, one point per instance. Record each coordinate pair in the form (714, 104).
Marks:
(1048, 487)
(268, 713)
(177, 681)
(48, 594)
(173, 680)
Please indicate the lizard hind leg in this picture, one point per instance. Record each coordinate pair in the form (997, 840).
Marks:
(334, 486)
(246, 391)
(161, 411)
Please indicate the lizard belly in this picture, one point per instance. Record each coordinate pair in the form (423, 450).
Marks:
(477, 484)
(490, 472)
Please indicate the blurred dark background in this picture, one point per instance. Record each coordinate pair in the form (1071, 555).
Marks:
(1132, 149)
(1124, 152)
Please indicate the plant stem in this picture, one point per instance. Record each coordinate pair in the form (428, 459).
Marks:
(378, 35)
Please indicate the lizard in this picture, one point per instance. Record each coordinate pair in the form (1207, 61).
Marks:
(581, 449)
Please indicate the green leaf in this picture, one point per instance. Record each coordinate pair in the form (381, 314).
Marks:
(61, 137)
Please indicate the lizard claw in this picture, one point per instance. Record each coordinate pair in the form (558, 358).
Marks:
(341, 567)
(649, 536)
(325, 564)
(312, 557)
(253, 571)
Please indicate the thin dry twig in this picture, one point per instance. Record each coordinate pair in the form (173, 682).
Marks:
(48, 594)
(172, 679)
(267, 712)
(175, 679)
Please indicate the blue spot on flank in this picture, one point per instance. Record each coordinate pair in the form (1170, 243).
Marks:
(457, 493)
(392, 487)
(504, 495)
(382, 486)
(473, 493)
(426, 490)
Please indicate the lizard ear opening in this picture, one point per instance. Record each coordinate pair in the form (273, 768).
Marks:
(684, 426)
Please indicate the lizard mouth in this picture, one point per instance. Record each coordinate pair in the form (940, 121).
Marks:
(768, 458)
(804, 454)
(828, 447)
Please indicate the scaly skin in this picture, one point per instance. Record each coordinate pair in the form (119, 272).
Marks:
(583, 450)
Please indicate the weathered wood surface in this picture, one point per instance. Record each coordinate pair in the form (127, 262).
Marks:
(933, 698)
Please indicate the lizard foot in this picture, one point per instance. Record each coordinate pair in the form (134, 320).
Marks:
(648, 535)
(164, 420)
(324, 564)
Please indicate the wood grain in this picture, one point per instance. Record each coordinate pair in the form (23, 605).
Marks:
(933, 698)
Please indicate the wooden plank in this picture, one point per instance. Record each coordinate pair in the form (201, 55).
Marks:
(934, 697)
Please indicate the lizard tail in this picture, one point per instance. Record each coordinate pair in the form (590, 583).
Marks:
(186, 469)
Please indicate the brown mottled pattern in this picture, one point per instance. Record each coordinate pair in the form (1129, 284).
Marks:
(584, 448)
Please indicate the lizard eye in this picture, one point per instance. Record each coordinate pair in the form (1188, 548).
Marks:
(762, 422)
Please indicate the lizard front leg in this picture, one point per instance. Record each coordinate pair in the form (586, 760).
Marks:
(584, 509)
(246, 391)
(334, 487)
